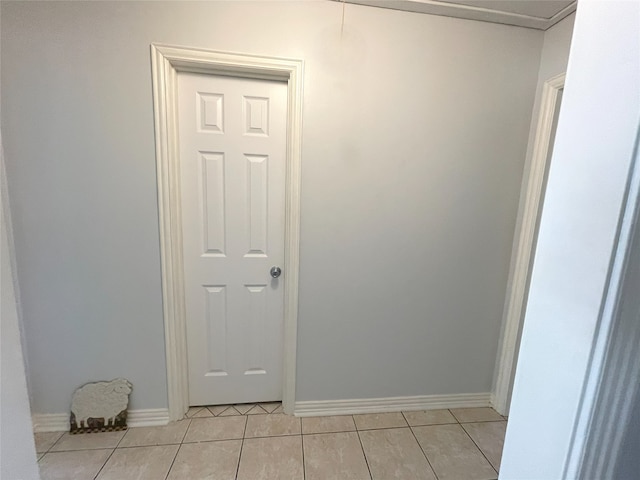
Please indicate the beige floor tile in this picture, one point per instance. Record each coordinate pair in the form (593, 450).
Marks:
(206, 461)
(270, 407)
(471, 415)
(334, 456)
(78, 465)
(139, 463)
(148, 436)
(88, 441)
(341, 423)
(394, 453)
(279, 409)
(230, 412)
(272, 425)
(244, 407)
(45, 440)
(215, 428)
(218, 409)
(194, 410)
(489, 436)
(371, 421)
(257, 410)
(452, 454)
(429, 417)
(271, 458)
(202, 413)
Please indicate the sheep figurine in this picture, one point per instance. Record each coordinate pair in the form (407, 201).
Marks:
(100, 406)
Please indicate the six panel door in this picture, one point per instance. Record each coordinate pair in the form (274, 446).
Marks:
(232, 170)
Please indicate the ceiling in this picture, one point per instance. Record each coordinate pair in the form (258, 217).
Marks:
(538, 14)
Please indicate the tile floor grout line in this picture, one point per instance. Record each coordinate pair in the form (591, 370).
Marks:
(332, 431)
(110, 455)
(433, 470)
(169, 444)
(364, 454)
(53, 444)
(144, 446)
(181, 442)
(453, 415)
(105, 462)
(477, 421)
(195, 413)
(275, 436)
(478, 447)
(483, 421)
(179, 447)
(432, 424)
(218, 413)
(244, 433)
(85, 450)
(304, 466)
(379, 428)
(120, 441)
(175, 455)
(185, 432)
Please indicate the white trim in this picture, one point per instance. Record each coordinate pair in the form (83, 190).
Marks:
(517, 288)
(150, 417)
(166, 62)
(50, 422)
(59, 422)
(470, 12)
(390, 404)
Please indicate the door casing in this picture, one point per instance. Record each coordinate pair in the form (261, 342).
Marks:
(522, 255)
(166, 62)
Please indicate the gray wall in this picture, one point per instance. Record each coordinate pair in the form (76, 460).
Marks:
(415, 133)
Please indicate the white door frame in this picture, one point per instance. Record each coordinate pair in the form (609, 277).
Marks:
(517, 287)
(166, 62)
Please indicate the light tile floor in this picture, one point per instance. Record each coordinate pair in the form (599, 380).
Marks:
(259, 442)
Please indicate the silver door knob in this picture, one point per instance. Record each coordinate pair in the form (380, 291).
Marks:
(275, 272)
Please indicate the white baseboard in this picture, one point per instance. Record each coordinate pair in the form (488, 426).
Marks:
(59, 422)
(150, 417)
(496, 405)
(390, 404)
(50, 422)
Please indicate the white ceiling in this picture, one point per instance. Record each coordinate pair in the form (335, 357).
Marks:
(538, 14)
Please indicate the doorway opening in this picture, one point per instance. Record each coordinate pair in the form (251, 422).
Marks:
(167, 62)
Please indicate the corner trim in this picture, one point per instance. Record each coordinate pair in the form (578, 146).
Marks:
(390, 404)
(516, 296)
(59, 422)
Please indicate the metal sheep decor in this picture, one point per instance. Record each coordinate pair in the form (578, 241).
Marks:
(100, 406)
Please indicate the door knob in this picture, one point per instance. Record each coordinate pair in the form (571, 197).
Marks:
(275, 272)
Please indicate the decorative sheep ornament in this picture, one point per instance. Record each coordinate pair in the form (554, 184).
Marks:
(100, 406)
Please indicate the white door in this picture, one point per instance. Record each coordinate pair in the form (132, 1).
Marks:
(232, 170)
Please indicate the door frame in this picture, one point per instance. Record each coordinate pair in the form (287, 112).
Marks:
(166, 62)
(522, 258)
